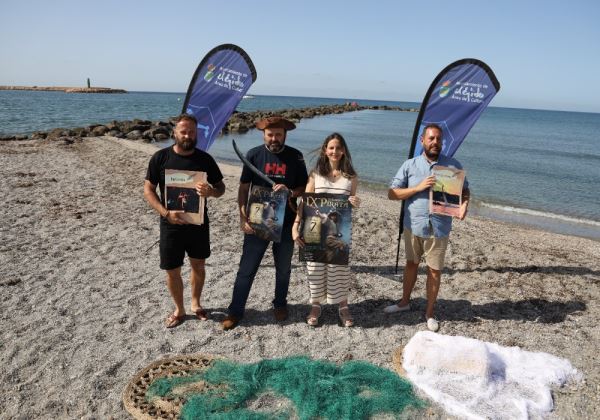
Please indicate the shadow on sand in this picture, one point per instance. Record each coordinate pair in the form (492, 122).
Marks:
(389, 271)
(369, 313)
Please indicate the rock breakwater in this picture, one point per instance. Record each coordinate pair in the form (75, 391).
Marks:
(151, 131)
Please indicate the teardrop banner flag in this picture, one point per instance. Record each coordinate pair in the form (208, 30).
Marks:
(454, 101)
(219, 83)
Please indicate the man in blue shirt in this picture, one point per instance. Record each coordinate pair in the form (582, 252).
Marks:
(425, 234)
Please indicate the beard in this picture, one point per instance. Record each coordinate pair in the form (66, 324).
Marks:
(186, 145)
(431, 154)
(275, 147)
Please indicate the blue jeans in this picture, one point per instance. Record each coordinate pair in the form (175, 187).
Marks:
(252, 253)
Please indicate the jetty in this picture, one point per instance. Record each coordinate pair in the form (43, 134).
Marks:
(239, 122)
(65, 89)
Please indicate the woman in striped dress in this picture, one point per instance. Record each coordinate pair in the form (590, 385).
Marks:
(330, 283)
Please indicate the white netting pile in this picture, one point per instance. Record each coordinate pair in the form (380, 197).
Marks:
(475, 379)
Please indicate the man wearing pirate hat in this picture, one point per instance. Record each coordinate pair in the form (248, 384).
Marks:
(285, 166)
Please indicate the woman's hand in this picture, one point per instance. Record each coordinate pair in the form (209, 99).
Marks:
(354, 200)
(296, 235)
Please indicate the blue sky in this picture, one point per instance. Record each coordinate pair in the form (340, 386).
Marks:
(546, 54)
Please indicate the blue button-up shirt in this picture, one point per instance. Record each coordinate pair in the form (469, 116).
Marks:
(416, 215)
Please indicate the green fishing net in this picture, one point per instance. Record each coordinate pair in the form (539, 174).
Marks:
(295, 387)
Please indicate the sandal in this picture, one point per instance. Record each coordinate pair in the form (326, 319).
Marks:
(173, 320)
(313, 321)
(345, 317)
(200, 314)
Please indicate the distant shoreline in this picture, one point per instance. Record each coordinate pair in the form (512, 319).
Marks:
(65, 89)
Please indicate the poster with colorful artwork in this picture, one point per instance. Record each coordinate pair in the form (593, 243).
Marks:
(181, 195)
(445, 197)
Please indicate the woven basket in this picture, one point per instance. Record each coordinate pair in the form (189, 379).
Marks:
(142, 408)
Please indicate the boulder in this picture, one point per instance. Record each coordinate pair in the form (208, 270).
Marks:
(39, 135)
(135, 125)
(115, 133)
(238, 127)
(147, 135)
(161, 130)
(100, 130)
(155, 131)
(113, 125)
(81, 132)
(57, 133)
(134, 135)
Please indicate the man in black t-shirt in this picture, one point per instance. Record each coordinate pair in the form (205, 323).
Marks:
(285, 166)
(177, 237)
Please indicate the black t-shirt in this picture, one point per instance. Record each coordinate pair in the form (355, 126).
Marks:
(286, 167)
(167, 159)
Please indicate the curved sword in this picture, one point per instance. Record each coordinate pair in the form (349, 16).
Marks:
(251, 166)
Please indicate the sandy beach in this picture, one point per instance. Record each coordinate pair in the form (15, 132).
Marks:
(83, 300)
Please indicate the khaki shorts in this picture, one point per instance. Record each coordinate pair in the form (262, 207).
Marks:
(432, 249)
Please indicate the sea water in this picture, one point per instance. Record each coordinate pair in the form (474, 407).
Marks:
(525, 166)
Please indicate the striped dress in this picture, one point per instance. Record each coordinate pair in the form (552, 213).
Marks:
(329, 282)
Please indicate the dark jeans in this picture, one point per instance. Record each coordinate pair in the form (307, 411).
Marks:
(252, 254)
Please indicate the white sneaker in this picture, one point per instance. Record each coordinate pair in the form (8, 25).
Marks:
(432, 324)
(392, 309)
